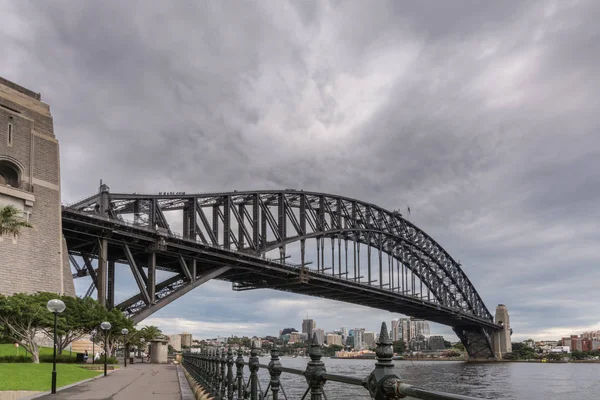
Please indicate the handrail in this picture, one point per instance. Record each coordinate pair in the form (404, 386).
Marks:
(213, 369)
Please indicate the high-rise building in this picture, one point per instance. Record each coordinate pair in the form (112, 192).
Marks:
(333, 338)
(320, 334)
(186, 339)
(369, 339)
(405, 325)
(308, 326)
(344, 332)
(396, 331)
(37, 260)
(358, 338)
(436, 343)
(421, 327)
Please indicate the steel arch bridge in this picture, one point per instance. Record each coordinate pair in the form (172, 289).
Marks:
(393, 265)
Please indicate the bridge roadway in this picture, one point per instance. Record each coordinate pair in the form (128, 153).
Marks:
(246, 271)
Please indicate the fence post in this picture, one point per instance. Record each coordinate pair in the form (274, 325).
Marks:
(222, 376)
(275, 371)
(230, 373)
(239, 363)
(253, 365)
(383, 383)
(216, 361)
(315, 370)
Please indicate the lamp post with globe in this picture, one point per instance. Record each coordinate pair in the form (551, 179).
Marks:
(124, 331)
(105, 327)
(93, 337)
(55, 306)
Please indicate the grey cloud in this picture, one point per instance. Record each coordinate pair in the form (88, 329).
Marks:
(481, 116)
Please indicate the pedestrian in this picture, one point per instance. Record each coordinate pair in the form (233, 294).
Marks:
(85, 357)
(97, 356)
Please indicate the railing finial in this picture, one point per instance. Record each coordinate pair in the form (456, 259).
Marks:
(383, 383)
(275, 370)
(315, 370)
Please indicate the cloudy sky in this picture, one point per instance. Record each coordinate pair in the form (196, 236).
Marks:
(482, 116)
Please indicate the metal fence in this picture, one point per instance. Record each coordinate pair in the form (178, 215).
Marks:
(213, 369)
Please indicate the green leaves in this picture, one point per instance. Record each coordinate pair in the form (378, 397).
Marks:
(11, 221)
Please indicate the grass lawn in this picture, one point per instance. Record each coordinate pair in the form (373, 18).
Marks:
(38, 377)
(10, 350)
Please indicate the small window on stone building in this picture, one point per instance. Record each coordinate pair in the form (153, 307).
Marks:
(10, 135)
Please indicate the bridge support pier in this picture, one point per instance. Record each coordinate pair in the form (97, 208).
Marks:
(102, 270)
(501, 340)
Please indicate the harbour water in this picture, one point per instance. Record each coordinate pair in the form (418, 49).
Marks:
(531, 381)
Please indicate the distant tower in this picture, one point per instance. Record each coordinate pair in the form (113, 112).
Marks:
(30, 180)
(502, 339)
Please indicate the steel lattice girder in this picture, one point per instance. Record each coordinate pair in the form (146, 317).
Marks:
(320, 216)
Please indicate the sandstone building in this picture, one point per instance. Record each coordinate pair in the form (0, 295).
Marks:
(30, 180)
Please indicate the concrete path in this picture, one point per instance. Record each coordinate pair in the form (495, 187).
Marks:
(137, 381)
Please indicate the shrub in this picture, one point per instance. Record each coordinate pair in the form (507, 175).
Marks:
(16, 359)
(62, 359)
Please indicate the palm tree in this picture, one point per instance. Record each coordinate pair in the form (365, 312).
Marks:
(11, 221)
(150, 332)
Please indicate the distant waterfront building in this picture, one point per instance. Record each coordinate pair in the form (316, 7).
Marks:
(344, 331)
(350, 341)
(436, 343)
(320, 333)
(186, 339)
(220, 340)
(303, 337)
(404, 327)
(175, 342)
(594, 335)
(333, 338)
(358, 338)
(421, 327)
(256, 342)
(308, 326)
(369, 339)
(396, 331)
(294, 337)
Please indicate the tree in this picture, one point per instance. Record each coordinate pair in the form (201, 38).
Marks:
(459, 346)
(118, 321)
(80, 317)
(399, 346)
(330, 350)
(447, 344)
(11, 221)
(24, 317)
(287, 331)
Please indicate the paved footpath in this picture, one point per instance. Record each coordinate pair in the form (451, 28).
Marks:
(137, 381)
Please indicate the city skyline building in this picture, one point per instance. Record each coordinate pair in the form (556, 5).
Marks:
(368, 340)
(308, 326)
(320, 334)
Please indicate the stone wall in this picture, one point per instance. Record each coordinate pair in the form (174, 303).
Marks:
(36, 260)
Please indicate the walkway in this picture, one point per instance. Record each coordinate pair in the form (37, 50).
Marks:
(137, 381)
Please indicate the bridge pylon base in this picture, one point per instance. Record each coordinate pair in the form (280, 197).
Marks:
(477, 342)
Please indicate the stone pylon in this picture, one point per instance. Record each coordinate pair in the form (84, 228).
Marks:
(501, 340)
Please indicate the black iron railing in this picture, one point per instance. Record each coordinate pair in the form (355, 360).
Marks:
(213, 370)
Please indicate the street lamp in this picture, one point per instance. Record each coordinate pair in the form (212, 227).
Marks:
(142, 340)
(105, 327)
(93, 336)
(124, 331)
(55, 306)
